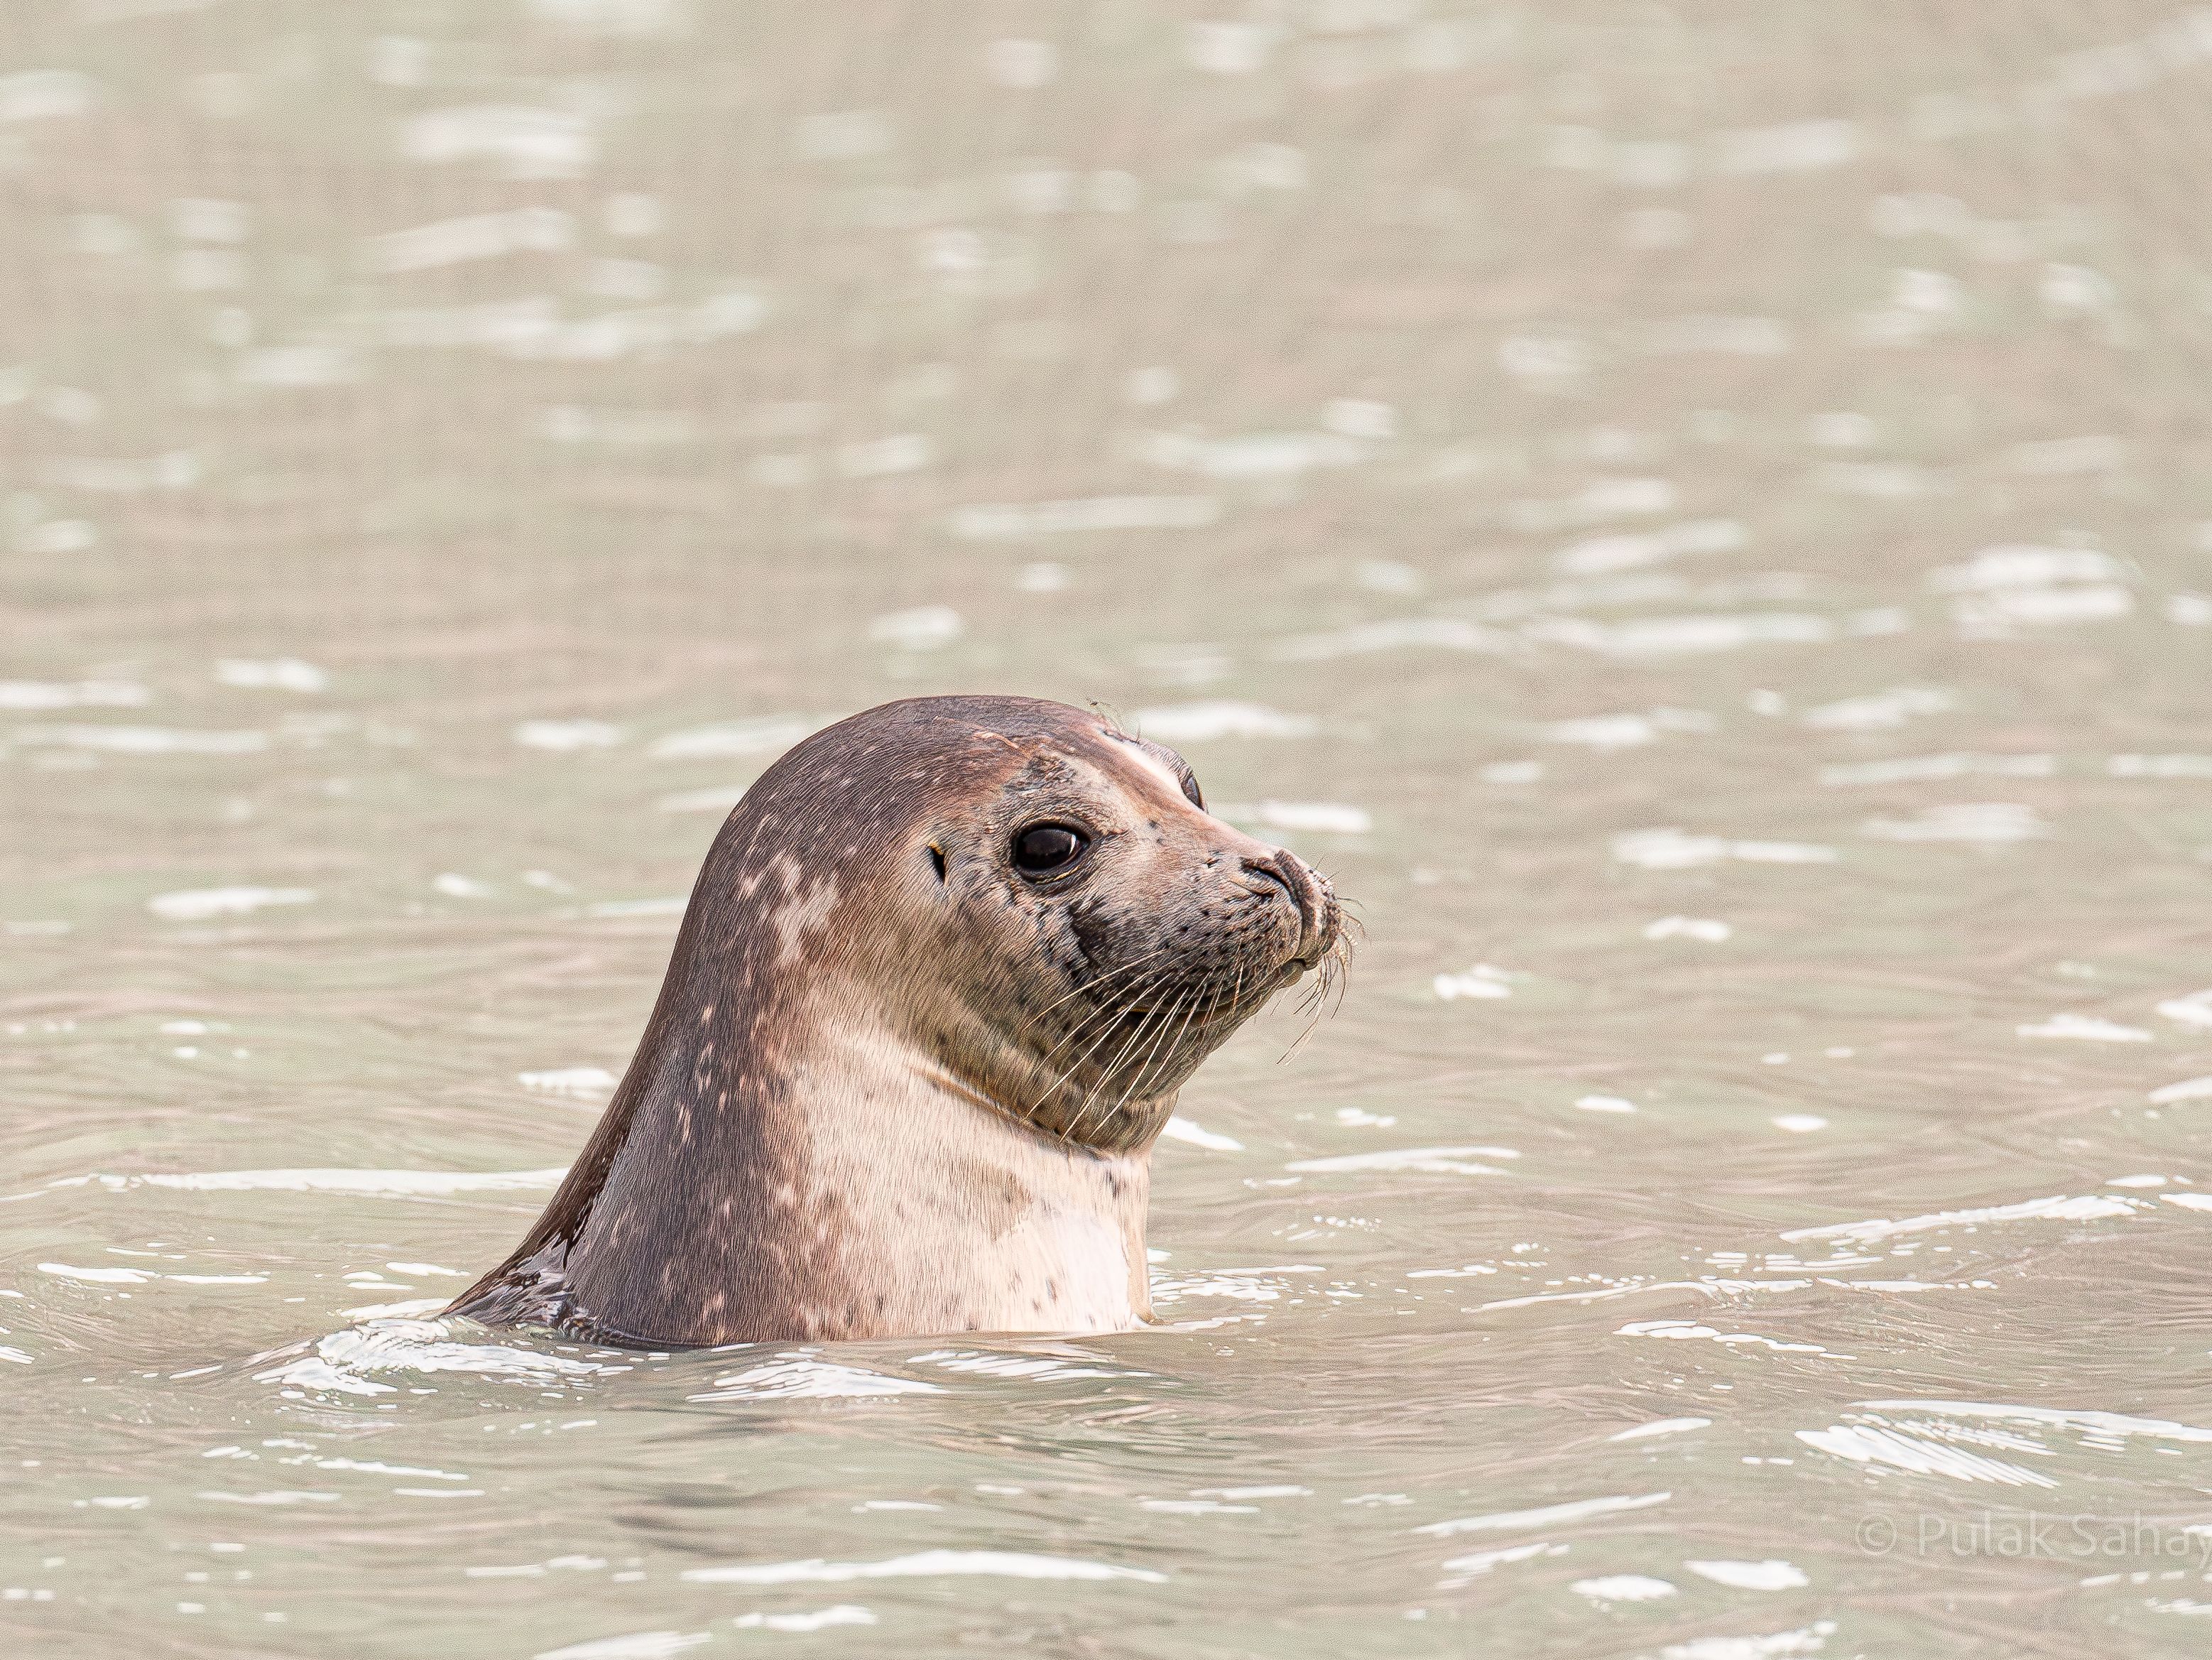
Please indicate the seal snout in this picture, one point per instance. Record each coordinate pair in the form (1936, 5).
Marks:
(1307, 889)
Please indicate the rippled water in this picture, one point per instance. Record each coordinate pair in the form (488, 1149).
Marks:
(1697, 517)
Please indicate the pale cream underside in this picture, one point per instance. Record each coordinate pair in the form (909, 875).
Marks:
(956, 1217)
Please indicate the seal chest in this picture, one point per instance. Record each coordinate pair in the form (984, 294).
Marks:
(944, 969)
(984, 1226)
(1064, 1266)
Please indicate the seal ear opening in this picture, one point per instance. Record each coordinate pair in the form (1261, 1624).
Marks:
(937, 858)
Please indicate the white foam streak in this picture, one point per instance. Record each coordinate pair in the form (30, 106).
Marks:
(1878, 711)
(2189, 1089)
(1806, 1639)
(929, 1564)
(1704, 928)
(1692, 1330)
(1482, 982)
(1623, 1588)
(365, 1183)
(2023, 566)
(636, 1645)
(768, 734)
(1395, 634)
(1011, 521)
(81, 694)
(1254, 455)
(271, 674)
(1182, 1129)
(2085, 1028)
(1661, 1427)
(716, 798)
(345, 1362)
(924, 628)
(1671, 850)
(1482, 1561)
(1873, 1445)
(1771, 1574)
(1455, 1161)
(840, 1613)
(528, 142)
(1985, 824)
(1579, 1509)
(562, 737)
(198, 904)
(1914, 769)
(2160, 766)
(1193, 723)
(1677, 636)
(2104, 1426)
(584, 1083)
(472, 237)
(143, 741)
(2088, 1207)
(98, 1276)
(46, 94)
(1333, 818)
(2194, 1010)
(794, 1378)
(1794, 147)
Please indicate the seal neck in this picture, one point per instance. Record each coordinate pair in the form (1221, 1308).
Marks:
(816, 1177)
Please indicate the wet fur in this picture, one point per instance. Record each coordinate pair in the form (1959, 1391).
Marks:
(889, 1086)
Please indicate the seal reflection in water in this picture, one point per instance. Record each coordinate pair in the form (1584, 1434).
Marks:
(944, 969)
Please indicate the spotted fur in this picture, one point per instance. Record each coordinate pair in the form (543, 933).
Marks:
(892, 1085)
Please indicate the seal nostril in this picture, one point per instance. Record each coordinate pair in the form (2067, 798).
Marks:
(1303, 890)
(1270, 869)
(937, 858)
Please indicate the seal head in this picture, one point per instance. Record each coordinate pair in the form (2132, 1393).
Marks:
(944, 968)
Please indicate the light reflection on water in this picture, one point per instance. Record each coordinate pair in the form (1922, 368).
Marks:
(1697, 523)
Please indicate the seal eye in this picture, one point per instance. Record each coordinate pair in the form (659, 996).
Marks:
(1190, 790)
(1042, 850)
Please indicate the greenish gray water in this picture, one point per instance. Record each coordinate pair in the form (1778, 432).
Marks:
(1696, 517)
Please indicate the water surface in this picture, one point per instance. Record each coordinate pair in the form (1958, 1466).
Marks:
(1697, 517)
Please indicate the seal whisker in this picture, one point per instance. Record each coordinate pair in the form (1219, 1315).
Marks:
(1121, 1005)
(1072, 1121)
(1236, 991)
(1165, 1052)
(1098, 984)
(1334, 973)
(1183, 1002)
(1109, 1013)
(1094, 983)
(1316, 1004)
(1175, 1047)
(1106, 1072)
(1105, 1013)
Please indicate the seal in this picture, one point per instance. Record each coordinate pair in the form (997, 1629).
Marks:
(943, 973)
